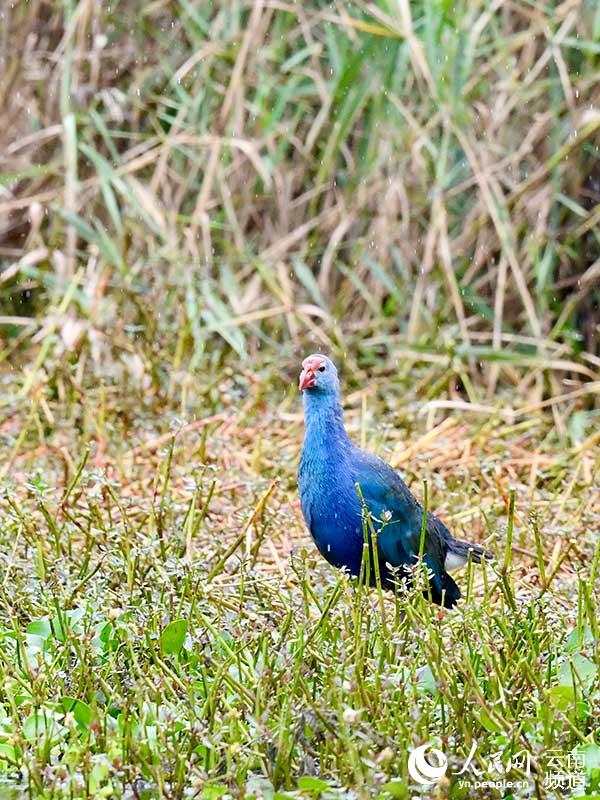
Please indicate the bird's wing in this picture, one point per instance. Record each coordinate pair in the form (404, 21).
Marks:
(400, 537)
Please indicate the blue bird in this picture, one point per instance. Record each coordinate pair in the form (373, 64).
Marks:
(331, 469)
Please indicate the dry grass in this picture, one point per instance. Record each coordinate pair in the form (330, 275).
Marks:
(269, 170)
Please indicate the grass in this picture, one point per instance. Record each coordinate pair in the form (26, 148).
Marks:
(261, 170)
(169, 630)
(193, 196)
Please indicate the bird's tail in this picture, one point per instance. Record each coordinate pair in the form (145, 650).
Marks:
(444, 591)
(462, 550)
(442, 588)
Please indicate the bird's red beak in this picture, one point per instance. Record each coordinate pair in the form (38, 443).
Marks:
(308, 379)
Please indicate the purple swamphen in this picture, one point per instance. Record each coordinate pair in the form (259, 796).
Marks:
(332, 469)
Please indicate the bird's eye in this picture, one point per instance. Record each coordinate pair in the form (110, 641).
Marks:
(321, 369)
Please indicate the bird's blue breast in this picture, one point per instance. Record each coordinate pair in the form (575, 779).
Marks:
(332, 510)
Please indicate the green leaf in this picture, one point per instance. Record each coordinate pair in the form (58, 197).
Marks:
(40, 627)
(563, 698)
(488, 723)
(213, 791)
(312, 784)
(579, 638)
(591, 755)
(40, 723)
(8, 752)
(98, 780)
(152, 737)
(584, 669)
(426, 681)
(65, 622)
(397, 789)
(173, 637)
(81, 711)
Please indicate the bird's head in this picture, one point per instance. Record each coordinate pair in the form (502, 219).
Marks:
(319, 375)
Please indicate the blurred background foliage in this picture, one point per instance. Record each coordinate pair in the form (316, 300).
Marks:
(195, 194)
(185, 179)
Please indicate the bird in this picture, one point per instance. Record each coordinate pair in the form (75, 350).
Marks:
(349, 497)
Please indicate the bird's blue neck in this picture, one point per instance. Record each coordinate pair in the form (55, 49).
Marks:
(324, 431)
